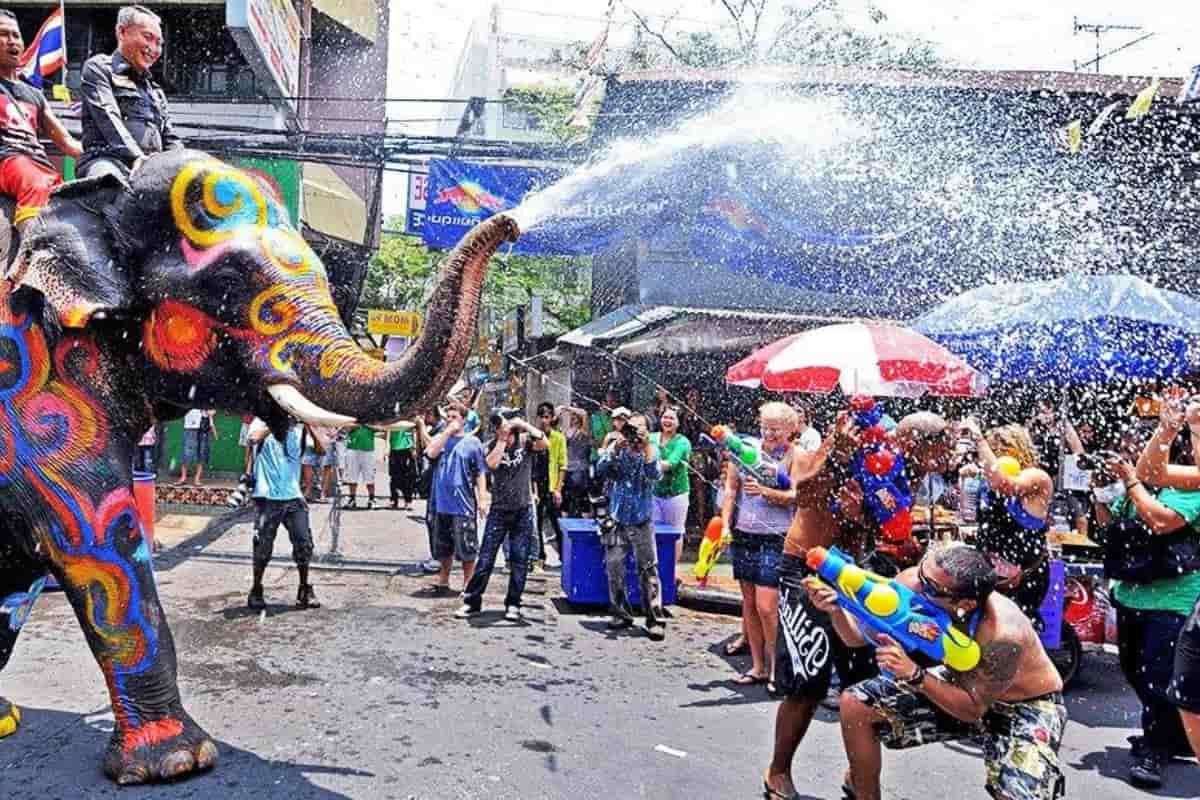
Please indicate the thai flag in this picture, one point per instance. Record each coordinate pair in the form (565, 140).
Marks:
(47, 53)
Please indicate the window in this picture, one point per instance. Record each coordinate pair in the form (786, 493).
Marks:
(518, 119)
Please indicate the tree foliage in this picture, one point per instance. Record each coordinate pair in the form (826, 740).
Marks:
(550, 106)
(767, 33)
(401, 275)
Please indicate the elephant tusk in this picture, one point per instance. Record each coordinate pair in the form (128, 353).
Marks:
(402, 425)
(293, 402)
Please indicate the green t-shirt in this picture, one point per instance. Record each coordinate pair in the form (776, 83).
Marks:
(400, 440)
(1169, 594)
(361, 438)
(675, 480)
(601, 427)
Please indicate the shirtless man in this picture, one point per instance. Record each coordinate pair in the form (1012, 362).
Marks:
(807, 651)
(1013, 698)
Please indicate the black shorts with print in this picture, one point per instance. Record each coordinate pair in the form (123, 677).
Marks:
(1021, 740)
(807, 648)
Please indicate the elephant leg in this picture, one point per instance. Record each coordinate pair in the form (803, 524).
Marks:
(104, 568)
(21, 581)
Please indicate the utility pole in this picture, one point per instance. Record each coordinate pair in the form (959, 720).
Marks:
(1101, 28)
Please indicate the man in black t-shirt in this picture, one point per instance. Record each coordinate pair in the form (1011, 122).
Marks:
(510, 461)
(26, 174)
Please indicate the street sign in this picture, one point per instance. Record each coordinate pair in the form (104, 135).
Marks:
(268, 33)
(418, 195)
(393, 323)
(512, 335)
(533, 318)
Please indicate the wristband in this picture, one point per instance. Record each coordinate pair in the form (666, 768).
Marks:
(1130, 486)
(915, 680)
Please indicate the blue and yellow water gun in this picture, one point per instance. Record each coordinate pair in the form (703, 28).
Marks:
(887, 607)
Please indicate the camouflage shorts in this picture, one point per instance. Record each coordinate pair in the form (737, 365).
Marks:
(1020, 740)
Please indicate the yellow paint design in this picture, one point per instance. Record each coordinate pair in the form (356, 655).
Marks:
(278, 305)
(210, 174)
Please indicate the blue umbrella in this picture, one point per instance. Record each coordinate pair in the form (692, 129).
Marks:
(1076, 329)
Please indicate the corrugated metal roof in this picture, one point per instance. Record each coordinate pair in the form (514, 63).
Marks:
(995, 80)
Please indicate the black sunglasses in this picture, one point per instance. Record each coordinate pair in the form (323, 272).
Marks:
(932, 590)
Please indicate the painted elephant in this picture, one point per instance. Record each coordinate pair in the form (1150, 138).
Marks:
(187, 288)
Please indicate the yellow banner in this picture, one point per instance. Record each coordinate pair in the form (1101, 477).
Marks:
(394, 323)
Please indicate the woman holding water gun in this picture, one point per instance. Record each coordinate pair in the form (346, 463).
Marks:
(1013, 514)
(758, 517)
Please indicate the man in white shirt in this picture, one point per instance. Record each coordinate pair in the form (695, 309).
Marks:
(198, 433)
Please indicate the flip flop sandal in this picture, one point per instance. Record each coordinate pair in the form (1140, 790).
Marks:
(775, 794)
(736, 651)
(749, 679)
(433, 590)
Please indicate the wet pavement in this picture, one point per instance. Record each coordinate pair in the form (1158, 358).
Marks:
(384, 694)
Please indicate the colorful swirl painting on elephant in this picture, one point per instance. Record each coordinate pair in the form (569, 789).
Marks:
(288, 322)
(132, 303)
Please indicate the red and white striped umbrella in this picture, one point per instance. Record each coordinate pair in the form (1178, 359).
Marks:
(862, 358)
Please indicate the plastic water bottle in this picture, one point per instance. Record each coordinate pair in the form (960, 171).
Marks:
(968, 499)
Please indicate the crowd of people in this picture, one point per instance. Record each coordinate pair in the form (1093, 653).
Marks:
(631, 471)
(1134, 489)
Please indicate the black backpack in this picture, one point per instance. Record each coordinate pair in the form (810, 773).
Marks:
(1134, 553)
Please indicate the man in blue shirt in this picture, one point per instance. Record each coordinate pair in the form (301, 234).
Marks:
(631, 463)
(278, 499)
(459, 496)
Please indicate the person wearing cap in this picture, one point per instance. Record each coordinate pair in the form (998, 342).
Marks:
(631, 463)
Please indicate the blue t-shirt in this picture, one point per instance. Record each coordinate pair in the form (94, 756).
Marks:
(277, 467)
(460, 463)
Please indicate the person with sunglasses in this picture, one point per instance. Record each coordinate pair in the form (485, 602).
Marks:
(807, 650)
(1012, 699)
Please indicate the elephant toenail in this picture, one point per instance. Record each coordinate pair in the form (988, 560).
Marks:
(132, 775)
(177, 763)
(206, 754)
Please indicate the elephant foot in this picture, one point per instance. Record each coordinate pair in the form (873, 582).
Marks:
(165, 749)
(10, 718)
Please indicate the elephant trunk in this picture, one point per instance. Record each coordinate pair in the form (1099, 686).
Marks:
(351, 384)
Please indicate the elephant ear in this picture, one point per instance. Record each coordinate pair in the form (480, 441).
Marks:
(67, 254)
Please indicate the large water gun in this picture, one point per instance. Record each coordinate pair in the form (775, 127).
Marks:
(749, 459)
(887, 607)
(711, 545)
(879, 469)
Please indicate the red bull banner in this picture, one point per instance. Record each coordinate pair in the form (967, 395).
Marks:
(461, 194)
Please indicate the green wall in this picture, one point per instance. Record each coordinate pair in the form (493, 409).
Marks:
(226, 455)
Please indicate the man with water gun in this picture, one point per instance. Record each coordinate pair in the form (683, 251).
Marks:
(831, 508)
(1012, 696)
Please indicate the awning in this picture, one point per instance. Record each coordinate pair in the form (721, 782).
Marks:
(331, 206)
(626, 321)
(360, 16)
(643, 330)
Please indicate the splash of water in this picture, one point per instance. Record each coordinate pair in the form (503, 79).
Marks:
(806, 129)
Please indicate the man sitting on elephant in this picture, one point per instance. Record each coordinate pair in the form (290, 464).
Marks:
(26, 174)
(124, 111)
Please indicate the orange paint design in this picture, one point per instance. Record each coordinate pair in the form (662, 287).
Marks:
(151, 733)
(179, 337)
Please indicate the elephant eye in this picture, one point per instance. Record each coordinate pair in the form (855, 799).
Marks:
(224, 279)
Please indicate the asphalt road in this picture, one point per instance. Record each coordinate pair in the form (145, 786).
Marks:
(384, 695)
